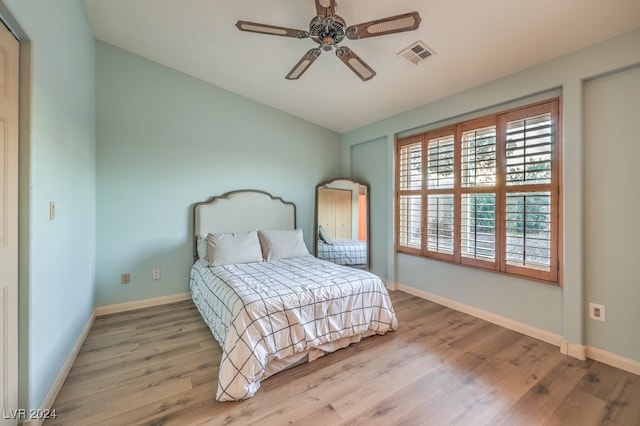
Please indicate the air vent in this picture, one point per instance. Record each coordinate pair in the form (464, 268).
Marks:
(416, 53)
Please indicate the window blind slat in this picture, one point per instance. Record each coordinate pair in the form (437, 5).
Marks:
(478, 232)
(410, 221)
(528, 230)
(479, 157)
(440, 162)
(529, 148)
(440, 223)
(410, 167)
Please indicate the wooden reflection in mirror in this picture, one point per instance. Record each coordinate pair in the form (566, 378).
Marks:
(342, 222)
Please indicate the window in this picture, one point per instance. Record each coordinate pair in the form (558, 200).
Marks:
(484, 193)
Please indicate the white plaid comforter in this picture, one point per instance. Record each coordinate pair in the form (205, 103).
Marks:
(270, 310)
(343, 252)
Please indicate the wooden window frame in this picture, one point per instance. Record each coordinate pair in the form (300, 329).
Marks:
(501, 190)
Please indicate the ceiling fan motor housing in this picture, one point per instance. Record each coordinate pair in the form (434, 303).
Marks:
(327, 31)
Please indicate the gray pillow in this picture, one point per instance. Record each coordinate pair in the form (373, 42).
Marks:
(229, 248)
(322, 233)
(282, 244)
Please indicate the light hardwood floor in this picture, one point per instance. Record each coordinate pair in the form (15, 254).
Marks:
(159, 365)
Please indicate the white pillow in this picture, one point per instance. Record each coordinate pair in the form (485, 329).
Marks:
(228, 248)
(282, 244)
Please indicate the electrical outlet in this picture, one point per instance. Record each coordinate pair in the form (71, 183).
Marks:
(155, 274)
(125, 278)
(597, 312)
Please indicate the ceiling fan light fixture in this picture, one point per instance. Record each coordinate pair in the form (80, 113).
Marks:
(328, 30)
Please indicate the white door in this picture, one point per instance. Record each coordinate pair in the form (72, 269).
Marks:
(9, 54)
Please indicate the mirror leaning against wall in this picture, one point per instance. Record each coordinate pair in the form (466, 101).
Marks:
(342, 222)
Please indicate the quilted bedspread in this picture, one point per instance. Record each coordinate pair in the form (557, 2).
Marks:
(344, 252)
(264, 311)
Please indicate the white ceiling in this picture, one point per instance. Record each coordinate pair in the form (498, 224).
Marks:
(474, 41)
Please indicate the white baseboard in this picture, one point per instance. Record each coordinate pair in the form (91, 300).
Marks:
(505, 322)
(390, 285)
(581, 352)
(139, 304)
(50, 398)
(576, 351)
(613, 360)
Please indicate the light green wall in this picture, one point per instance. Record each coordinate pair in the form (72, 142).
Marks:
(369, 164)
(167, 140)
(57, 163)
(553, 309)
(612, 206)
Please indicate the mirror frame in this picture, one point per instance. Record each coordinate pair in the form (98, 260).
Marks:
(368, 227)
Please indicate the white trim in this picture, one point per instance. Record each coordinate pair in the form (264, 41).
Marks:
(576, 351)
(390, 285)
(139, 304)
(47, 404)
(614, 360)
(581, 352)
(505, 322)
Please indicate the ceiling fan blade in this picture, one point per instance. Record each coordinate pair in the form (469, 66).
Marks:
(254, 27)
(303, 64)
(357, 65)
(392, 24)
(326, 7)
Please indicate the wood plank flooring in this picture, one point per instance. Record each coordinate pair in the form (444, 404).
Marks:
(158, 366)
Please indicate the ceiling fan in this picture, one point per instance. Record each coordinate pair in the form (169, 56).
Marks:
(328, 30)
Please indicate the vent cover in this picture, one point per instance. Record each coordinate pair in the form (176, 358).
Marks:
(416, 53)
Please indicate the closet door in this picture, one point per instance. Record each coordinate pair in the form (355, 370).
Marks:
(9, 52)
(326, 211)
(342, 213)
(334, 212)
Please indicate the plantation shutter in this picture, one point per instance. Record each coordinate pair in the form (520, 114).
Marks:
(478, 213)
(410, 195)
(440, 194)
(485, 193)
(531, 193)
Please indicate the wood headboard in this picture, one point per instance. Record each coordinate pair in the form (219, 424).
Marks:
(239, 211)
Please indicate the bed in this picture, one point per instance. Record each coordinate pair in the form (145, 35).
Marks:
(281, 307)
(343, 252)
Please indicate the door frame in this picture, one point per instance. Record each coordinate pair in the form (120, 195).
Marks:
(24, 165)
